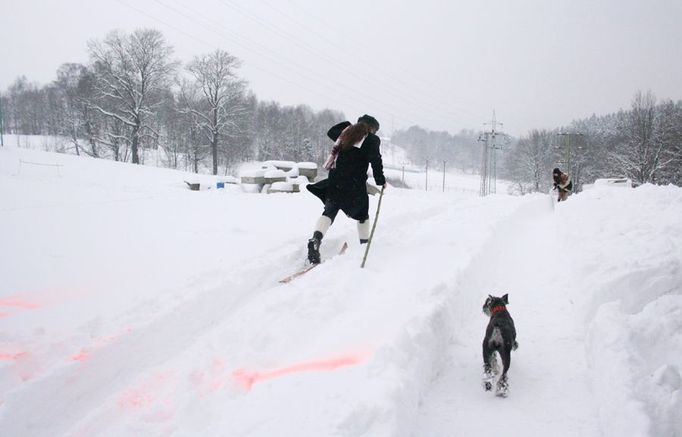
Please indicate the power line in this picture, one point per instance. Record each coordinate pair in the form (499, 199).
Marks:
(283, 62)
(400, 94)
(265, 52)
(433, 98)
(264, 70)
(489, 156)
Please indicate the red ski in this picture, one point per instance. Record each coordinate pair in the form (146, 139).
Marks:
(309, 268)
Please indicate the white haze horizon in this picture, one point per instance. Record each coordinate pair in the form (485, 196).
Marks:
(439, 65)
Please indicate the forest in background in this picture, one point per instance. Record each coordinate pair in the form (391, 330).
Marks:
(642, 143)
(133, 96)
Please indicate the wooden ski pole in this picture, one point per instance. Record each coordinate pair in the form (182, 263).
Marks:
(374, 226)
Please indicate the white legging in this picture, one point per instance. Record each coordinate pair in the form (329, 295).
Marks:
(324, 222)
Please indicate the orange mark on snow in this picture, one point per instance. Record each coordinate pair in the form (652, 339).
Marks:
(15, 302)
(8, 356)
(146, 394)
(24, 365)
(81, 356)
(135, 398)
(210, 381)
(248, 379)
(85, 352)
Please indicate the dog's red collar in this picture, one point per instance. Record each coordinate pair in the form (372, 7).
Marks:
(496, 309)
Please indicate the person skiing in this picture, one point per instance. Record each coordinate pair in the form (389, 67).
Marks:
(356, 146)
(562, 183)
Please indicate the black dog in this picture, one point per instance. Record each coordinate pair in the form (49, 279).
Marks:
(500, 337)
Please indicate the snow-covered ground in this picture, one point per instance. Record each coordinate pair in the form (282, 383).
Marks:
(130, 305)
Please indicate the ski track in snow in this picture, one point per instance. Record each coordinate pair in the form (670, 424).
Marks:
(549, 383)
(65, 395)
(205, 320)
(220, 348)
(456, 277)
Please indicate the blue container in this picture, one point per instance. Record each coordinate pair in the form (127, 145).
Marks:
(220, 185)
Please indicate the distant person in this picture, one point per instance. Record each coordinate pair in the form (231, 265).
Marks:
(356, 146)
(562, 183)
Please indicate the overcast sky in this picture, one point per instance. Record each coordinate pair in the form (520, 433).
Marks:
(441, 64)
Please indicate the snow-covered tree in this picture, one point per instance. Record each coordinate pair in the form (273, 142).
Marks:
(461, 150)
(530, 161)
(223, 96)
(74, 85)
(669, 135)
(196, 148)
(640, 155)
(131, 71)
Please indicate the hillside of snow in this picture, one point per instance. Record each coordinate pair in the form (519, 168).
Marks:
(398, 167)
(131, 306)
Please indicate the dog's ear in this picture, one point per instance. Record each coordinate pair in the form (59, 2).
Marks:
(505, 298)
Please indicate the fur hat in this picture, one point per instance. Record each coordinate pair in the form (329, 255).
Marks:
(370, 121)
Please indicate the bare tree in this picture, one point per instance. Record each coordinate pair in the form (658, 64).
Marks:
(531, 160)
(669, 135)
(131, 71)
(190, 101)
(640, 155)
(222, 92)
(67, 84)
(90, 119)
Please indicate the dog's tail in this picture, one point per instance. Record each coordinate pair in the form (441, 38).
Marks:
(496, 340)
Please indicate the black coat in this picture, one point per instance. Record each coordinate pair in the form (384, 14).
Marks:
(347, 183)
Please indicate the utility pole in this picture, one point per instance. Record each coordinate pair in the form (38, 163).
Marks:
(444, 176)
(489, 157)
(568, 135)
(426, 184)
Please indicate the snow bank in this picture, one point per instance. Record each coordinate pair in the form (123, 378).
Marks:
(281, 187)
(132, 306)
(627, 258)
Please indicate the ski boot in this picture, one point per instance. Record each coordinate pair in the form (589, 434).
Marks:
(314, 248)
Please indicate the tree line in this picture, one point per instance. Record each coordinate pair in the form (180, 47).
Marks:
(133, 96)
(643, 143)
(422, 146)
